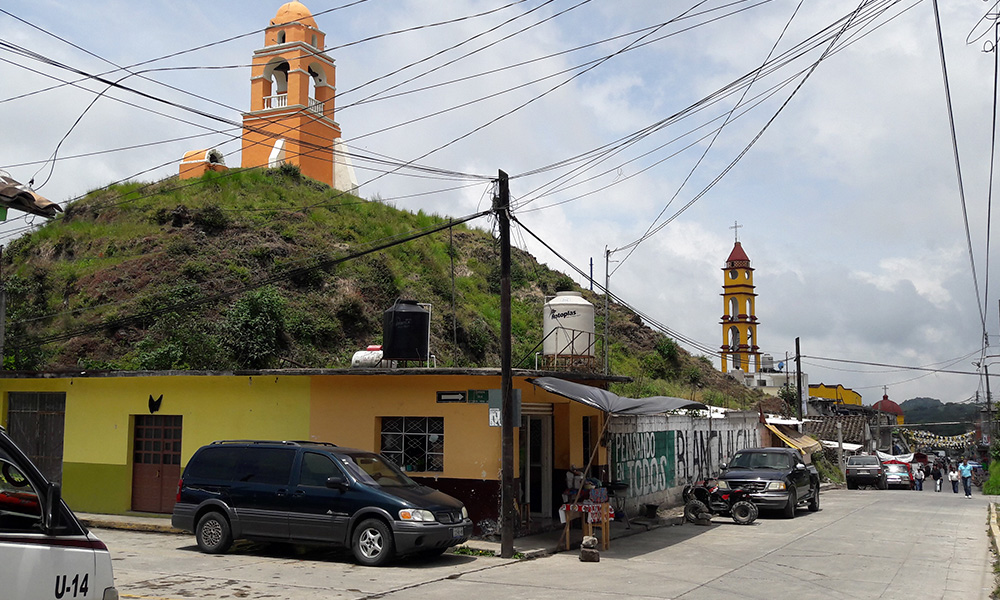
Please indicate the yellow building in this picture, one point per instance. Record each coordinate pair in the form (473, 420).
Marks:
(838, 393)
(119, 441)
(739, 321)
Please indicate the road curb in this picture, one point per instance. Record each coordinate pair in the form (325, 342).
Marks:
(994, 529)
(97, 522)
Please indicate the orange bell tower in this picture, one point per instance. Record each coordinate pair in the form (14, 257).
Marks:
(739, 323)
(291, 101)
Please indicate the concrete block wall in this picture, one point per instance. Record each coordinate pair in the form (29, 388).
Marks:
(659, 454)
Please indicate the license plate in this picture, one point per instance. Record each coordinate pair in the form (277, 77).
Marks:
(457, 532)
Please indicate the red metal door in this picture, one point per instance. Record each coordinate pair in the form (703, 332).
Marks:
(156, 462)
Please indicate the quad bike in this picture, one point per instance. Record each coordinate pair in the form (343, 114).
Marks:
(705, 498)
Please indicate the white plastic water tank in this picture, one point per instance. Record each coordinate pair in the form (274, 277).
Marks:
(568, 325)
(366, 359)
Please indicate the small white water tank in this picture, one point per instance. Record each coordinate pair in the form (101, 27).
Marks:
(366, 359)
(568, 325)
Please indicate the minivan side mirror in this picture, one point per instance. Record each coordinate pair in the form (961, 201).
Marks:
(800, 466)
(53, 501)
(723, 466)
(336, 482)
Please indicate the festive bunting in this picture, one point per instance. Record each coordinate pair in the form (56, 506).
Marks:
(926, 438)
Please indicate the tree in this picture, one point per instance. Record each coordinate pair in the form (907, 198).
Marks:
(254, 329)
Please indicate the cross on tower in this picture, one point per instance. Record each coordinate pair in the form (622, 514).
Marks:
(736, 230)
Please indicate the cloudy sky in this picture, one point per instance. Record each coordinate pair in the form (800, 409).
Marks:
(821, 128)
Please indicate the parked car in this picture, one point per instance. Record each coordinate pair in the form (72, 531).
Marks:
(314, 493)
(865, 469)
(42, 541)
(777, 478)
(898, 474)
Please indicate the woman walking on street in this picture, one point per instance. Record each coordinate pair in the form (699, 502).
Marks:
(953, 478)
(936, 474)
(965, 470)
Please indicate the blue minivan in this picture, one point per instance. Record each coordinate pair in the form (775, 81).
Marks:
(313, 493)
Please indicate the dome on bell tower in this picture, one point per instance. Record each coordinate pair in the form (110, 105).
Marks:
(293, 12)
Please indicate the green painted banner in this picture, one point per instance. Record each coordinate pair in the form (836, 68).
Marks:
(647, 461)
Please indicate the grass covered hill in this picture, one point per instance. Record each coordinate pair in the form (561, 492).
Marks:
(257, 269)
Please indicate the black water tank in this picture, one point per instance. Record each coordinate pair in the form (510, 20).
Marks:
(404, 331)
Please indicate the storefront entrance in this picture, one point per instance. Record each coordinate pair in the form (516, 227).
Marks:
(536, 459)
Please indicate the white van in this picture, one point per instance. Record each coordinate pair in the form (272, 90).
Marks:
(45, 552)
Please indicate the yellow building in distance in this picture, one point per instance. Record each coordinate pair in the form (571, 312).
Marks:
(739, 321)
(838, 393)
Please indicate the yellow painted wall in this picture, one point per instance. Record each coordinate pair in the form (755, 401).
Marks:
(346, 411)
(838, 392)
(343, 409)
(97, 458)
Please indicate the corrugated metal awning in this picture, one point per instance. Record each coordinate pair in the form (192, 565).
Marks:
(19, 197)
(613, 403)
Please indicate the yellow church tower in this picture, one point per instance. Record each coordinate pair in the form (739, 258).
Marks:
(291, 102)
(739, 323)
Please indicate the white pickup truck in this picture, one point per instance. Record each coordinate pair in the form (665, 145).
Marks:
(45, 552)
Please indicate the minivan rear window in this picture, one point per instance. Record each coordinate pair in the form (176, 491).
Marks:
(218, 463)
(265, 465)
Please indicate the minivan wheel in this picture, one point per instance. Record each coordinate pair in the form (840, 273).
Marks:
(372, 543)
(213, 533)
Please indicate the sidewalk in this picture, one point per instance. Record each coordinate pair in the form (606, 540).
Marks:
(531, 546)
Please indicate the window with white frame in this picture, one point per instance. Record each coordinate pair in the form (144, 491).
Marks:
(414, 443)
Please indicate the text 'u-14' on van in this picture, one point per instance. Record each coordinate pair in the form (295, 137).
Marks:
(45, 552)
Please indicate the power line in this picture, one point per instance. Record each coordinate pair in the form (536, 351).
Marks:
(958, 165)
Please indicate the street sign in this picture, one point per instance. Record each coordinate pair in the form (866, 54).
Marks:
(458, 396)
(479, 396)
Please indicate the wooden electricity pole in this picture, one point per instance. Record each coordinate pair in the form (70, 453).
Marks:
(502, 208)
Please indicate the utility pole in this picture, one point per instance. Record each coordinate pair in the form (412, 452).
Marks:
(989, 406)
(502, 207)
(798, 380)
(3, 310)
(607, 292)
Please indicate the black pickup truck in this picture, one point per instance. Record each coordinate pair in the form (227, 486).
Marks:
(777, 478)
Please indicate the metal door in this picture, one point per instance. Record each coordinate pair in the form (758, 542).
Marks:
(156, 462)
(35, 421)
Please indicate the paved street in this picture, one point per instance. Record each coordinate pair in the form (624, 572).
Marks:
(862, 544)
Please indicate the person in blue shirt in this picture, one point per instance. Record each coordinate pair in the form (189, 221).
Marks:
(965, 470)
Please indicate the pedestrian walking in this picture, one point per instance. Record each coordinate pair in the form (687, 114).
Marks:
(936, 474)
(918, 479)
(953, 478)
(965, 470)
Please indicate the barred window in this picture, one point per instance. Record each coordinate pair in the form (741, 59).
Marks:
(414, 443)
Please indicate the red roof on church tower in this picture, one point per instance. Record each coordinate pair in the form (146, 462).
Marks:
(737, 254)
(738, 259)
(888, 406)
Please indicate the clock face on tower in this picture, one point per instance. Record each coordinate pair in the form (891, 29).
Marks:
(734, 274)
